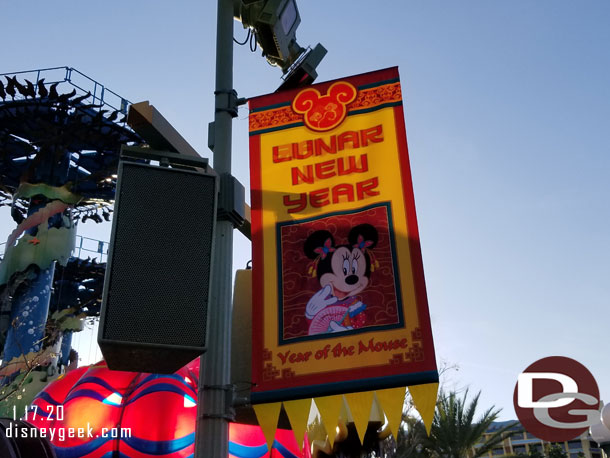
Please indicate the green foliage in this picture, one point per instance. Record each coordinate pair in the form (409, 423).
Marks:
(455, 432)
(16, 397)
(535, 453)
(412, 438)
(557, 451)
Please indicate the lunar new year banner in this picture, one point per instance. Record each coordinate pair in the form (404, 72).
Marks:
(339, 300)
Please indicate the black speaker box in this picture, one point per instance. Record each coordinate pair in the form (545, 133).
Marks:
(156, 290)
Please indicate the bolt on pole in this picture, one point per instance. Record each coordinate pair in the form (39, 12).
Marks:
(215, 392)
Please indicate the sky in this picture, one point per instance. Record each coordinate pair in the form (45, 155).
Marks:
(507, 110)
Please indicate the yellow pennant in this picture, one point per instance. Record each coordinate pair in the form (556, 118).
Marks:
(267, 416)
(360, 407)
(392, 401)
(330, 407)
(298, 415)
(424, 400)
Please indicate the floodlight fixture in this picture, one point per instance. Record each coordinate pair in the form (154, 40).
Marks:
(303, 71)
(275, 23)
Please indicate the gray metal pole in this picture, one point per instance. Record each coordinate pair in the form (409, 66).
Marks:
(214, 397)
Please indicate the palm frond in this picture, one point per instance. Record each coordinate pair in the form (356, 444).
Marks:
(457, 432)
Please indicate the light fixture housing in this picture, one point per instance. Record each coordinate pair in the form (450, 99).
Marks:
(275, 23)
(303, 72)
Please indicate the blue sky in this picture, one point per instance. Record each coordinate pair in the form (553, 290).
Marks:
(507, 107)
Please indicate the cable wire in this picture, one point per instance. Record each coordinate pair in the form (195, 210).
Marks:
(246, 40)
(253, 40)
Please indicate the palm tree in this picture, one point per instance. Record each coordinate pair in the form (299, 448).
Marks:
(412, 437)
(455, 433)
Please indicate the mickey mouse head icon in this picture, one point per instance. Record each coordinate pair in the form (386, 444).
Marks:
(324, 112)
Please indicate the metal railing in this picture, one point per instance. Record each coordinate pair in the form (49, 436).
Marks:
(101, 94)
(86, 247)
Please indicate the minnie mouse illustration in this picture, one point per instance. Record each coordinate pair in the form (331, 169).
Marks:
(343, 272)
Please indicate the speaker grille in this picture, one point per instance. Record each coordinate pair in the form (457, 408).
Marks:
(157, 292)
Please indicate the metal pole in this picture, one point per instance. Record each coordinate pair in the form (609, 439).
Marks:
(215, 394)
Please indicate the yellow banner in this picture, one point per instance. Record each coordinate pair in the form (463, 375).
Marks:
(339, 301)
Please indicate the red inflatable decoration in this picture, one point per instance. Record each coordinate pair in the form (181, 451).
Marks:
(137, 415)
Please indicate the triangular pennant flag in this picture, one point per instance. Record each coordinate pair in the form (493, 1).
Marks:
(392, 401)
(360, 407)
(298, 415)
(424, 400)
(344, 419)
(267, 416)
(330, 407)
(376, 412)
